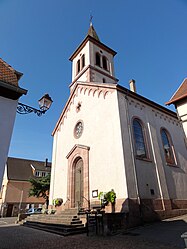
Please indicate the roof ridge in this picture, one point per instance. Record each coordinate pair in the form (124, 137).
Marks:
(174, 97)
(8, 65)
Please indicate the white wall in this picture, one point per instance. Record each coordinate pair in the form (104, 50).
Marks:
(182, 111)
(167, 181)
(7, 118)
(101, 133)
(89, 50)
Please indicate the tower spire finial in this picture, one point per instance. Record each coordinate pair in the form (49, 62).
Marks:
(91, 17)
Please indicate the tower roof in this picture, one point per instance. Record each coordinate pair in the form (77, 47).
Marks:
(93, 37)
(181, 93)
(92, 32)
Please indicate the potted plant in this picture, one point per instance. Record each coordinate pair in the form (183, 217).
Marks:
(57, 202)
(108, 197)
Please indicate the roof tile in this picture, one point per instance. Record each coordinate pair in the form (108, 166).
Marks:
(181, 93)
(20, 169)
(8, 74)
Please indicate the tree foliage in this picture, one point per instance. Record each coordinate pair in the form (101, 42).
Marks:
(40, 187)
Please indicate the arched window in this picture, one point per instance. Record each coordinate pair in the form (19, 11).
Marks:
(167, 144)
(78, 66)
(139, 139)
(98, 59)
(105, 63)
(83, 60)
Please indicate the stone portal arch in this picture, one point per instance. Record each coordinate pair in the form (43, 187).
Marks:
(78, 176)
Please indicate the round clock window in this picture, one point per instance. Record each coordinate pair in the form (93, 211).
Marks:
(78, 129)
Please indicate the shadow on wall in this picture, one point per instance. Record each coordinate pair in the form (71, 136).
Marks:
(138, 214)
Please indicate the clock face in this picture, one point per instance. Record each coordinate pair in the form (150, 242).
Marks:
(78, 129)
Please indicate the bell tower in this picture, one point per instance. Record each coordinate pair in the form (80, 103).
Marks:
(93, 61)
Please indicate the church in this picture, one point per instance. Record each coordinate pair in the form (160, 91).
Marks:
(110, 137)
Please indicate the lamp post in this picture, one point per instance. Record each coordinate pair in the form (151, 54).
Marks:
(44, 105)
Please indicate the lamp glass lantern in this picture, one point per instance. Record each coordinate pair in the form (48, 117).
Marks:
(45, 102)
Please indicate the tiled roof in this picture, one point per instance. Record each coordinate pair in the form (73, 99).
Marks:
(20, 169)
(181, 93)
(9, 74)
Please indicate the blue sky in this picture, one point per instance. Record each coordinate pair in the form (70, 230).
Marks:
(37, 38)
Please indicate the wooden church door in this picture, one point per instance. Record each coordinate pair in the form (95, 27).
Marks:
(79, 183)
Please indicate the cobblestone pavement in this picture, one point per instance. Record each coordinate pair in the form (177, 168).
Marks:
(162, 235)
(15, 236)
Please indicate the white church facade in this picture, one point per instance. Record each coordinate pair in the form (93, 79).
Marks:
(110, 137)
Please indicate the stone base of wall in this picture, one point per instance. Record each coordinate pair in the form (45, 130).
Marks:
(134, 214)
(179, 204)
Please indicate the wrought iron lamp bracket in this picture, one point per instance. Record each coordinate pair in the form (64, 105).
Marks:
(25, 109)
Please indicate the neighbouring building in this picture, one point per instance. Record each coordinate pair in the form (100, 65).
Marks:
(110, 137)
(179, 99)
(15, 187)
(10, 92)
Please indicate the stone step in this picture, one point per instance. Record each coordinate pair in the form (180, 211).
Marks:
(79, 223)
(57, 221)
(66, 222)
(60, 229)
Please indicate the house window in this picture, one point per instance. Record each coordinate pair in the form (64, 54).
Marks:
(167, 145)
(98, 59)
(139, 139)
(37, 173)
(83, 60)
(28, 206)
(78, 66)
(104, 81)
(43, 173)
(105, 63)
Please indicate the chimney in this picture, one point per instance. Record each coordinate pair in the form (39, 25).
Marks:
(46, 162)
(132, 84)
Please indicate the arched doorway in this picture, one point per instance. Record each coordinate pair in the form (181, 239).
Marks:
(78, 177)
(78, 183)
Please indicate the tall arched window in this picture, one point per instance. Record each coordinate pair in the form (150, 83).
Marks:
(167, 145)
(139, 139)
(98, 59)
(105, 63)
(83, 60)
(78, 66)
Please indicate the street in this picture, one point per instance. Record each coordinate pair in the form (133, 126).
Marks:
(161, 235)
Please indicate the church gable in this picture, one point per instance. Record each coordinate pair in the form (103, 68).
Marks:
(89, 89)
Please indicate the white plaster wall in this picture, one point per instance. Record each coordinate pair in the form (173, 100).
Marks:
(102, 134)
(93, 50)
(167, 181)
(86, 52)
(182, 111)
(7, 118)
(141, 175)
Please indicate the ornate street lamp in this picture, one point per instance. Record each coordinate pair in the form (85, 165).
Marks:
(44, 104)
